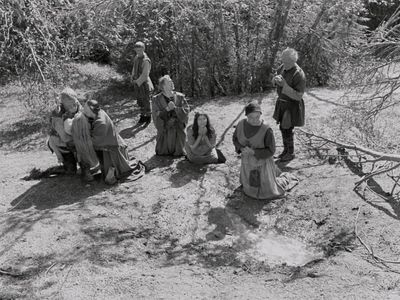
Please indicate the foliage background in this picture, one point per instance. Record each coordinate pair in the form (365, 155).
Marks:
(209, 47)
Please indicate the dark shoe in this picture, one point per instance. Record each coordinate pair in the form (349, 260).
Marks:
(147, 119)
(86, 174)
(221, 157)
(287, 157)
(69, 163)
(142, 120)
(283, 153)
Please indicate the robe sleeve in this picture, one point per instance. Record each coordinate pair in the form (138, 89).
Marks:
(269, 142)
(182, 109)
(156, 112)
(58, 125)
(189, 136)
(299, 85)
(238, 146)
(99, 133)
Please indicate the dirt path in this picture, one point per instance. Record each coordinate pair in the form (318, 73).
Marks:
(187, 232)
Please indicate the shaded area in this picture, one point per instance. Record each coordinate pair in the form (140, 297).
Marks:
(131, 132)
(21, 135)
(56, 191)
(158, 162)
(239, 205)
(186, 172)
(374, 186)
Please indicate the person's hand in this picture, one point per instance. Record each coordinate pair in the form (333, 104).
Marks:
(171, 105)
(70, 145)
(278, 80)
(202, 131)
(247, 151)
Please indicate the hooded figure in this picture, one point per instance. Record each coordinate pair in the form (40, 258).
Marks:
(60, 140)
(109, 146)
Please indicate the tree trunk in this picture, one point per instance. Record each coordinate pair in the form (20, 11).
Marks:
(276, 35)
(238, 57)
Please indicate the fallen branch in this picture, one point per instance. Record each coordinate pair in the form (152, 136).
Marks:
(365, 178)
(2, 272)
(376, 258)
(363, 154)
(378, 155)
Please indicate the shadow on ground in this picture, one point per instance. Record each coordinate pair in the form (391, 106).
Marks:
(375, 187)
(186, 172)
(22, 134)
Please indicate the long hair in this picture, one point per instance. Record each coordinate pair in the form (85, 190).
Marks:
(195, 127)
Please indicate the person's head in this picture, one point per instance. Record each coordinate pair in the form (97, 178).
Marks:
(201, 120)
(289, 58)
(139, 48)
(91, 109)
(253, 113)
(69, 100)
(166, 85)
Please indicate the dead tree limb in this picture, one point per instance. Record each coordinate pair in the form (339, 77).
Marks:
(375, 257)
(387, 161)
(379, 156)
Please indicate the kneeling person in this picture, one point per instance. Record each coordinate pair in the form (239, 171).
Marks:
(201, 141)
(60, 140)
(110, 148)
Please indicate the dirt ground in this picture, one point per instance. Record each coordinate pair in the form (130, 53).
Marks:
(184, 231)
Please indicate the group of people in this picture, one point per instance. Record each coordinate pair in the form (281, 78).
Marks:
(87, 135)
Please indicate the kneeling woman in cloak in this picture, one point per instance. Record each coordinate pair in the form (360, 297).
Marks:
(170, 116)
(254, 140)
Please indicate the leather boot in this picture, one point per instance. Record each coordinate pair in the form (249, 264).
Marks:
(285, 145)
(69, 163)
(85, 173)
(290, 148)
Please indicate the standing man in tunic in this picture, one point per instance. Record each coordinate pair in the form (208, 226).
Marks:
(142, 82)
(289, 109)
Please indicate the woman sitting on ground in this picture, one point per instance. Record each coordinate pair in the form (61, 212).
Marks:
(254, 140)
(201, 140)
(170, 115)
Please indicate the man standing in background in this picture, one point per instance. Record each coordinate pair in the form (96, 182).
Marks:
(142, 82)
(289, 109)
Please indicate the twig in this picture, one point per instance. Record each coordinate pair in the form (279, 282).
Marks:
(376, 258)
(374, 174)
(377, 154)
(2, 272)
(50, 268)
(65, 279)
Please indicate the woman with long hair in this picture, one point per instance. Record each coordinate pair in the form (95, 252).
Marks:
(201, 141)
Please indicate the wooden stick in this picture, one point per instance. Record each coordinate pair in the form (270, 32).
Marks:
(370, 250)
(379, 155)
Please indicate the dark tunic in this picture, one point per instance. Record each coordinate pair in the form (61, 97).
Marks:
(296, 79)
(142, 92)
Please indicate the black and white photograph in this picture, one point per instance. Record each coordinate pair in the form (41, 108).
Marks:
(199, 149)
